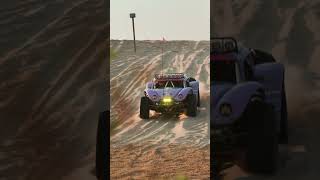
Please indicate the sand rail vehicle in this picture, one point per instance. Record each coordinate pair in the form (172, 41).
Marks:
(248, 105)
(171, 93)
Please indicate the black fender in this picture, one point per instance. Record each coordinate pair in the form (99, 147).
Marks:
(238, 98)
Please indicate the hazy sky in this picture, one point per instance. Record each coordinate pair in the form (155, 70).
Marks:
(171, 19)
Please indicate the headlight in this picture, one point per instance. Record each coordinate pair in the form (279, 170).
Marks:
(225, 109)
(167, 99)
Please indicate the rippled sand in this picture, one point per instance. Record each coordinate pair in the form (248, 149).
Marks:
(52, 86)
(163, 162)
(182, 138)
(129, 74)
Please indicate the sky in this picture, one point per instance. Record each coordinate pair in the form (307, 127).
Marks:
(155, 19)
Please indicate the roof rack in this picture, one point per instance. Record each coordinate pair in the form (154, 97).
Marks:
(169, 76)
(221, 45)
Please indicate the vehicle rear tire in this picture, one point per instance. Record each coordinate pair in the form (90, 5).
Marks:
(102, 155)
(198, 102)
(283, 136)
(191, 105)
(262, 152)
(144, 108)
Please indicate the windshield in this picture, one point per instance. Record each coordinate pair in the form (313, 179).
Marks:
(169, 84)
(223, 71)
(178, 84)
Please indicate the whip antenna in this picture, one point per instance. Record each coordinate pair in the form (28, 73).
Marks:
(163, 40)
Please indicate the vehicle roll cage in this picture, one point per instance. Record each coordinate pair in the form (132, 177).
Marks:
(169, 76)
(167, 82)
(223, 45)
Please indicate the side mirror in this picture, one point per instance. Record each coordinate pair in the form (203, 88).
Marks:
(193, 85)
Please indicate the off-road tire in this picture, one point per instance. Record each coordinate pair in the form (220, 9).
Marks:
(191, 105)
(283, 136)
(198, 102)
(262, 151)
(144, 108)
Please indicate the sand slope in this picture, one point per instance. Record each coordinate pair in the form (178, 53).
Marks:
(52, 87)
(166, 162)
(181, 140)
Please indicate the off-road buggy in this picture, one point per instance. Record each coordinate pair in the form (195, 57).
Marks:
(170, 93)
(248, 104)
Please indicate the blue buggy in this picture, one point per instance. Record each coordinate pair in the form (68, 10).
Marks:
(248, 104)
(171, 93)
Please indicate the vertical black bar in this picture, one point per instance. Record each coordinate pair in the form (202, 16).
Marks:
(102, 148)
(102, 163)
(212, 165)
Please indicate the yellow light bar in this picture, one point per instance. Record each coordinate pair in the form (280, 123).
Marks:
(167, 100)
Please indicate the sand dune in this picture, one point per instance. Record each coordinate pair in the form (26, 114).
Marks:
(53, 66)
(129, 74)
(166, 162)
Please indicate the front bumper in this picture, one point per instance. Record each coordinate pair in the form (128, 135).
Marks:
(174, 106)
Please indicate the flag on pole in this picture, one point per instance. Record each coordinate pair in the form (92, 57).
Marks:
(163, 40)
